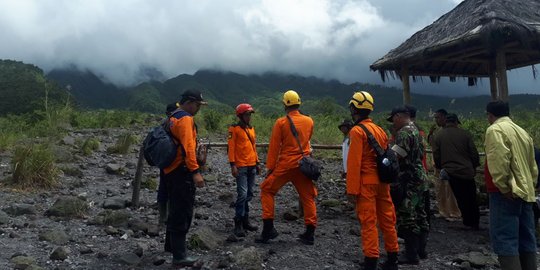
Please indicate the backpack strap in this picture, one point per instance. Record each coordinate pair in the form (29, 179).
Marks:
(372, 141)
(178, 113)
(295, 133)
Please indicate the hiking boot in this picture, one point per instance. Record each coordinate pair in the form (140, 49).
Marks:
(370, 263)
(308, 236)
(187, 261)
(268, 232)
(422, 242)
(509, 262)
(410, 256)
(527, 260)
(238, 229)
(391, 262)
(247, 225)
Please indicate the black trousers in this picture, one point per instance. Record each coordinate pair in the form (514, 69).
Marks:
(181, 193)
(465, 193)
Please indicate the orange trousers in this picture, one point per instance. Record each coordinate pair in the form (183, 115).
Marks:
(304, 186)
(374, 206)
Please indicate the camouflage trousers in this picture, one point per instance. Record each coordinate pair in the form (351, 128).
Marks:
(411, 213)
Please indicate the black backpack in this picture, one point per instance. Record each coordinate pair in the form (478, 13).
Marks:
(387, 161)
(159, 146)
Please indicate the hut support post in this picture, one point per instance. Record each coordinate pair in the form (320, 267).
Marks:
(502, 81)
(493, 81)
(406, 86)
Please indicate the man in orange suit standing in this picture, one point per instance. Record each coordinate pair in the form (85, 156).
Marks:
(282, 164)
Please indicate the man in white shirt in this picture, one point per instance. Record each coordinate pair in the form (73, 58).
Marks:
(345, 127)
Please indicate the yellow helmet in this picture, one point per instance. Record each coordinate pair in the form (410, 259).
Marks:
(362, 100)
(291, 98)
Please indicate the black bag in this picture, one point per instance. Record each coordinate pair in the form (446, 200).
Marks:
(159, 146)
(387, 161)
(398, 191)
(309, 166)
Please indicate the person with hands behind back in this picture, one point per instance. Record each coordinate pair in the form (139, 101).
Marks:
(181, 177)
(244, 163)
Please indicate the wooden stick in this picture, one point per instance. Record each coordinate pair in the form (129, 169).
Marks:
(137, 180)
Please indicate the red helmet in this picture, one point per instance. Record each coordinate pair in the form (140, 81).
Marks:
(243, 108)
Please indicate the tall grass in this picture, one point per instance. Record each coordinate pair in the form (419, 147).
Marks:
(33, 167)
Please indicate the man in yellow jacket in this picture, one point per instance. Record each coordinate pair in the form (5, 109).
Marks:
(244, 163)
(364, 188)
(513, 169)
(282, 164)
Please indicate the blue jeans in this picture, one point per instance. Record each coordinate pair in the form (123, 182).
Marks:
(244, 189)
(511, 225)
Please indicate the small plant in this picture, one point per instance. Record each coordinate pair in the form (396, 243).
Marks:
(89, 146)
(33, 167)
(123, 144)
(150, 183)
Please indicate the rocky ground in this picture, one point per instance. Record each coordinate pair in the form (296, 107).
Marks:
(87, 222)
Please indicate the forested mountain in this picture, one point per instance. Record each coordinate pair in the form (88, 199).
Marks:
(20, 81)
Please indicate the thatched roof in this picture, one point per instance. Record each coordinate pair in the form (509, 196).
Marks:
(464, 41)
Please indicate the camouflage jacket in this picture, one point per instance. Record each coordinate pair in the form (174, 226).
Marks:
(408, 145)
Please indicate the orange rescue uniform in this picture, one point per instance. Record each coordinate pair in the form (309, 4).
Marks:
(241, 142)
(183, 129)
(373, 202)
(282, 160)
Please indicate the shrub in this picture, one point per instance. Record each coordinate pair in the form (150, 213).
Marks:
(89, 146)
(33, 167)
(123, 144)
(212, 120)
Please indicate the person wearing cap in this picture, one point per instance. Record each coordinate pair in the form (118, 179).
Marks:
(282, 164)
(162, 198)
(182, 176)
(455, 153)
(446, 201)
(412, 223)
(511, 176)
(370, 196)
(244, 163)
(345, 127)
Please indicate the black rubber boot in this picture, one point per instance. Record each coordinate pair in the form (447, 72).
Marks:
(178, 245)
(391, 262)
(422, 242)
(247, 225)
(509, 262)
(410, 256)
(238, 228)
(167, 245)
(308, 237)
(162, 207)
(528, 260)
(370, 263)
(268, 232)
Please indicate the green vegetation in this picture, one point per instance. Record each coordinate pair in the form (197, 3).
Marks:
(90, 145)
(123, 144)
(33, 167)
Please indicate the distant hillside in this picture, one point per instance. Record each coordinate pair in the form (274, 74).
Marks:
(228, 89)
(23, 88)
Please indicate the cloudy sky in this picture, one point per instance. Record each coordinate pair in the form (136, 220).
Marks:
(334, 39)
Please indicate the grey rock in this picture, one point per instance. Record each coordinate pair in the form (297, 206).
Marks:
(59, 254)
(138, 225)
(86, 250)
(153, 230)
(58, 237)
(290, 216)
(110, 230)
(22, 262)
(210, 178)
(158, 260)
(249, 258)
(114, 203)
(4, 218)
(114, 169)
(227, 197)
(14, 235)
(68, 207)
(330, 203)
(68, 140)
(19, 209)
(204, 238)
(62, 154)
(115, 218)
(130, 259)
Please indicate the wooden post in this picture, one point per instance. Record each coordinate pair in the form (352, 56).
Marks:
(406, 86)
(502, 81)
(493, 81)
(137, 180)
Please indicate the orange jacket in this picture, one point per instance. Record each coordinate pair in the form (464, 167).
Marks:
(283, 150)
(183, 129)
(362, 160)
(242, 151)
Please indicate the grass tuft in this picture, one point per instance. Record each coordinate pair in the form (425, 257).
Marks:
(33, 166)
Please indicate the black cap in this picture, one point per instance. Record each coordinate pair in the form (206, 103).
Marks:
(396, 110)
(192, 95)
(346, 123)
(452, 118)
(412, 110)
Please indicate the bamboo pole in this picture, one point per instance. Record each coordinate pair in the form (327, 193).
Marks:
(137, 180)
(406, 86)
(493, 80)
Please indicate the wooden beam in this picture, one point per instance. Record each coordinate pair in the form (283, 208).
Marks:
(502, 81)
(493, 80)
(406, 86)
